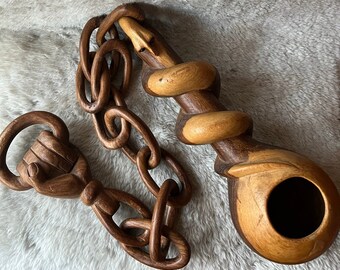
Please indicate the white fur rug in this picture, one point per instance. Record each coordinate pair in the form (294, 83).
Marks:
(278, 60)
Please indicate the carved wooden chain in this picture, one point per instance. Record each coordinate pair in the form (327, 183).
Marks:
(107, 104)
(56, 168)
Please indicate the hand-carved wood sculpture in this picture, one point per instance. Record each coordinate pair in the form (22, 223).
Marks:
(284, 206)
(56, 168)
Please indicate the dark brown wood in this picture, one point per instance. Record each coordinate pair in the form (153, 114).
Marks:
(178, 240)
(59, 130)
(107, 105)
(56, 168)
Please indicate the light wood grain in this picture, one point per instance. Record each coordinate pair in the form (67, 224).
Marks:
(144, 40)
(215, 126)
(255, 170)
(251, 198)
(182, 78)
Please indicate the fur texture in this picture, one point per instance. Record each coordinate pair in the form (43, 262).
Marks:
(278, 60)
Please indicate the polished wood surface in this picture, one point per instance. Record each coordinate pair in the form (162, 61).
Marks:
(107, 107)
(261, 177)
(181, 78)
(211, 127)
(285, 207)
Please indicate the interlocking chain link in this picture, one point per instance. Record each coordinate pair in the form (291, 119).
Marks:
(54, 167)
(98, 69)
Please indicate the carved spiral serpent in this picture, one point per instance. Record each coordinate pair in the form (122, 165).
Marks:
(256, 172)
(204, 127)
(282, 203)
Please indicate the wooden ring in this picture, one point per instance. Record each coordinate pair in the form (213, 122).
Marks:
(84, 45)
(177, 239)
(141, 127)
(112, 227)
(99, 97)
(99, 60)
(107, 131)
(184, 195)
(126, 10)
(156, 251)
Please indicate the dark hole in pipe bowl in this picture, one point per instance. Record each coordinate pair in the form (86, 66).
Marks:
(295, 208)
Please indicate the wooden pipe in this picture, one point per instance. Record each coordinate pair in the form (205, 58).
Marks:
(284, 206)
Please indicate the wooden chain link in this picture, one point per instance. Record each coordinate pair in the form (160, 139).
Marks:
(54, 167)
(107, 104)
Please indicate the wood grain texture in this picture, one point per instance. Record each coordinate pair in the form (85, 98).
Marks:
(59, 130)
(255, 181)
(56, 168)
(258, 173)
(182, 78)
(182, 246)
(215, 126)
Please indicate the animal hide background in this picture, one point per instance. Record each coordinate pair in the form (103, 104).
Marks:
(278, 61)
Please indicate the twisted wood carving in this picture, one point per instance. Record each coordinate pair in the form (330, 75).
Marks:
(284, 206)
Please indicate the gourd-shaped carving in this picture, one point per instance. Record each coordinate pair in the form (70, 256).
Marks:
(284, 206)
